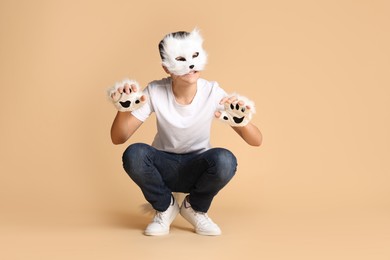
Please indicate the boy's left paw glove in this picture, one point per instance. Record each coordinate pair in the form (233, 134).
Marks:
(238, 110)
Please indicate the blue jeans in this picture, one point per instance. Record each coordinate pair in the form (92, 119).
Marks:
(159, 173)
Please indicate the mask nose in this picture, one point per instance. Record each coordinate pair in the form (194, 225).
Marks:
(192, 66)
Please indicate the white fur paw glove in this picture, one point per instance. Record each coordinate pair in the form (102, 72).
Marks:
(238, 110)
(126, 95)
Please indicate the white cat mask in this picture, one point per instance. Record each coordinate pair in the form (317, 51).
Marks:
(183, 54)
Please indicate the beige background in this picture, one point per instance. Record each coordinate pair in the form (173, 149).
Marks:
(318, 188)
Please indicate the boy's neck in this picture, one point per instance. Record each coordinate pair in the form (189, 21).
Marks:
(184, 92)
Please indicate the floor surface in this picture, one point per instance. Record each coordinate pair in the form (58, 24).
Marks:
(247, 233)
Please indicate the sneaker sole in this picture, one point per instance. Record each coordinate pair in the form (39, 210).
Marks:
(208, 233)
(156, 233)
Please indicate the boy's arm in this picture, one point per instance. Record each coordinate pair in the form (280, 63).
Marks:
(250, 133)
(125, 124)
(123, 127)
(237, 113)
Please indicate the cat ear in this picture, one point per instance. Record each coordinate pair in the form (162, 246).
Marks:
(195, 35)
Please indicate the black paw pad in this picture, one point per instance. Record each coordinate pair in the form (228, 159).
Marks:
(125, 104)
(238, 120)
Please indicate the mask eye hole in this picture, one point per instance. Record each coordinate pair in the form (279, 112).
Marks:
(180, 58)
(196, 54)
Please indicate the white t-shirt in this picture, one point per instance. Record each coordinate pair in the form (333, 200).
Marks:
(181, 128)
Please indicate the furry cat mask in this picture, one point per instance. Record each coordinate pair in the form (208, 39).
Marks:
(182, 52)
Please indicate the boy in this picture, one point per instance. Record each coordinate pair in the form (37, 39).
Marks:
(180, 158)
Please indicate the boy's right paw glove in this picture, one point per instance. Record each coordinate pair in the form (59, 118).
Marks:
(123, 101)
(238, 111)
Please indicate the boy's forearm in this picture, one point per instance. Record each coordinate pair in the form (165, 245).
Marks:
(120, 128)
(250, 133)
(123, 127)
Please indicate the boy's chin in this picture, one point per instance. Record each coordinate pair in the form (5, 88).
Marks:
(189, 78)
(191, 75)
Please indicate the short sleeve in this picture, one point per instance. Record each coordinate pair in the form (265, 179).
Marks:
(219, 94)
(146, 110)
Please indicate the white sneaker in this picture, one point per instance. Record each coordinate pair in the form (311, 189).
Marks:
(202, 223)
(162, 220)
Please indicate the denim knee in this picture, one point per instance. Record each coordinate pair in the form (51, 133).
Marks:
(225, 163)
(134, 157)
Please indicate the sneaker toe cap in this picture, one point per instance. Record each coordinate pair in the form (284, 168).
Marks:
(155, 229)
(210, 230)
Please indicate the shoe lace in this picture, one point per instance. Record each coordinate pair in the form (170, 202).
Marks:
(159, 217)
